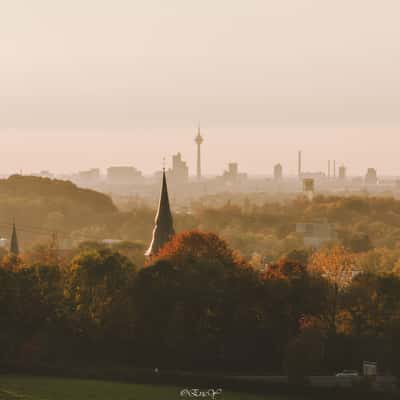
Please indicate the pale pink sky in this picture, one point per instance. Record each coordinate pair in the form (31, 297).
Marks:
(91, 83)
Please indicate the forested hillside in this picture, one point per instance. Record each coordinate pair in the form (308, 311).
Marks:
(40, 206)
(368, 226)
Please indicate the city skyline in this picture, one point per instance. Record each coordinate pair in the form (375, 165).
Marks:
(264, 155)
(265, 79)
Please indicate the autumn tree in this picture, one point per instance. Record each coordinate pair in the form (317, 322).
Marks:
(372, 302)
(304, 293)
(98, 287)
(193, 245)
(304, 354)
(337, 266)
(197, 304)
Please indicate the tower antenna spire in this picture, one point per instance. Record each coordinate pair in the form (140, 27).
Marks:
(199, 141)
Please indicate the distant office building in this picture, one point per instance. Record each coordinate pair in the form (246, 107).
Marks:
(180, 171)
(342, 172)
(46, 174)
(111, 242)
(316, 234)
(317, 176)
(232, 175)
(123, 175)
(308, 185)
(91, 175)
(371, 177)
(4, 243)
(233, 169)
(358, 181)
(278, 172)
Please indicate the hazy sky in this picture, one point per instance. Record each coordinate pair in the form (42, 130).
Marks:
(93, 83)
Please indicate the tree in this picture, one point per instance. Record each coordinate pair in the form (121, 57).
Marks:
(372, 302)
(98, 287)
(197, 304)
(359, 242)
(306, 293)
(11, 261)
(304, 354)
(189, 246)
(336, 265)
(300, 256)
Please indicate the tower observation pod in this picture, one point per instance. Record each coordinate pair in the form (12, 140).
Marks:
(199, 141)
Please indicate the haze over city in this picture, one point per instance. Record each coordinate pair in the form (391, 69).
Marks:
(199, 199)
(96, 83)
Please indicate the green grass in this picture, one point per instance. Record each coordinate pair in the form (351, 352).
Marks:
(42, 388)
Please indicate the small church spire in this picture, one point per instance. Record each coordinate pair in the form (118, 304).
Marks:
(14, 247)
(164, 229)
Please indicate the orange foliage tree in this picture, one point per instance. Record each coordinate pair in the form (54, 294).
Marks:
(192, 245)
(337, 266)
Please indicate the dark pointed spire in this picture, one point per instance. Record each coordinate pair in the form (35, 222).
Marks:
(164, 229)
(14, 248)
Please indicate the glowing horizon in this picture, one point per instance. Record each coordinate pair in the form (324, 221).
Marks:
(88, 84)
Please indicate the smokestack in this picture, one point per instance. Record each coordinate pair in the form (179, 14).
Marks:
(334, 169)
(329, 168)
(299, 164)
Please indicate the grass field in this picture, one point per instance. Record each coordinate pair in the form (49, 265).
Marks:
(42, 388)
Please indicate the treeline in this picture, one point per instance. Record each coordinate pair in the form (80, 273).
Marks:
(200, 305)
(43, 208)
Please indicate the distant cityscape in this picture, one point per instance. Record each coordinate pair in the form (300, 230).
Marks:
(127, 180)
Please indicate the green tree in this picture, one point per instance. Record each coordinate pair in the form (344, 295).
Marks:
(99, 283)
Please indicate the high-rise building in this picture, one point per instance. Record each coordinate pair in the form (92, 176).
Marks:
(278, 172)
(309, 187)
(180, 171)
(232, 175)
(123, 175)
(45, 174)
(199, 141)
(91, 175)
(316, 234)
(342, 172)
(371, 177)
(163, 229)
(233, 169)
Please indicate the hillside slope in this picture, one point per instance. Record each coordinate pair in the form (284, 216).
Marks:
(41, 204)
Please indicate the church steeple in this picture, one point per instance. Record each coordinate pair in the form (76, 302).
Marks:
(14, 248)
(163, 229)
